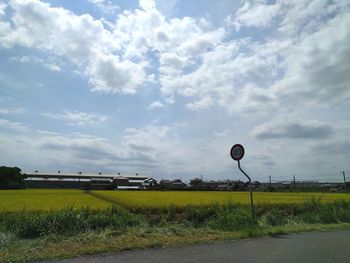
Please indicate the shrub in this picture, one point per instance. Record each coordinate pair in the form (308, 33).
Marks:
(272, 218)
(232, 219)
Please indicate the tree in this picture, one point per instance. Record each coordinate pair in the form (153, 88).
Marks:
(196, 183)
(11, 178)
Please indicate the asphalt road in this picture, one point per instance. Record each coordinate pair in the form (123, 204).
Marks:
(305, 247)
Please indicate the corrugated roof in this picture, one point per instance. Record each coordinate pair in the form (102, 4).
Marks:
(138, 177)
(57, 179)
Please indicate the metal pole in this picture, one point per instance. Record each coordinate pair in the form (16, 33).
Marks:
(344, 180)
(250, 191)
(294, 185)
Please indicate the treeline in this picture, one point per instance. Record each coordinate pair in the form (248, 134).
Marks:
(11, 178)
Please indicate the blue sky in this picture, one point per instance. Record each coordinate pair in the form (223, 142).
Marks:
(165, 88)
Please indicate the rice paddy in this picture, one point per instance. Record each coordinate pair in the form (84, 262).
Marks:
(50, 199)
(160, 199)
(47, 199)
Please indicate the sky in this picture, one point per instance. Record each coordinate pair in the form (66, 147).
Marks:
(165, 88)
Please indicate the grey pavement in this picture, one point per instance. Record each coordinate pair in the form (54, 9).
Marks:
(311, 247)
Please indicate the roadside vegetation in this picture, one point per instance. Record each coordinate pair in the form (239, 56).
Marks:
(27, 235)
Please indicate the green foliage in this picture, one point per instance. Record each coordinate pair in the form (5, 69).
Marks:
(198, 216)
(232, 218)
(6, 239)
(67, 221)
(272, 218)
(316, 212)
(10, 178)
(312, 211)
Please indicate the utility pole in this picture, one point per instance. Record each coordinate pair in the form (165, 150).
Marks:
(344, 180)
(294, 183)
(270, 180)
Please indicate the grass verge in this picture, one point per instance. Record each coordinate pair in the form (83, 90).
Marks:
(95, 242)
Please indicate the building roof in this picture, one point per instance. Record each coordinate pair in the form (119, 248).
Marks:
(57, 179)
(86, 175)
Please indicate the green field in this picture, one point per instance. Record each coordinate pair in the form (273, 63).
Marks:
(159, 199)
(49, 199)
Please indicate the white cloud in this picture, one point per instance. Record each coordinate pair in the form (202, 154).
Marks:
(292, 129)
(303, 66)
(300, 17)
(35, 60)
(212, 74)
(202, 43)
(108, 74)
(197, 61)
(156, 105)
(13, 125)
(202, 104)
(317, 66)
(81, 39)
(288, 58)
(106, 6)
(77, 118)
(3, 6)
(114, 61)
(292, 17)
(255, 15)
(11, 111)
(4, 26)
(178, 43)
(146, 137)
(173, 60)
(147, 5)
(143, 149)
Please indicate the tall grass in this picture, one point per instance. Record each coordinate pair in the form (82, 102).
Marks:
(67, 221)
(228, 217)
(233, 216)
(312, 211)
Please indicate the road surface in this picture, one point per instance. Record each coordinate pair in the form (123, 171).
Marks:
(311, 247)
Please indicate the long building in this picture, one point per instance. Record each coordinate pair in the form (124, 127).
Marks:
(87, 181)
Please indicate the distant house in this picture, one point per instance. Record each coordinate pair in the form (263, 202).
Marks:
(150, 183)
(229, 185)
(199, 184)
(225, 185)
(173, 184)
(177, 183)
(196, 183)
(211, 185)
